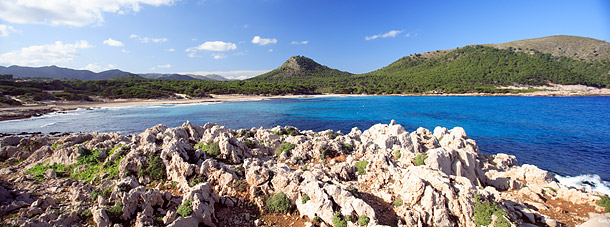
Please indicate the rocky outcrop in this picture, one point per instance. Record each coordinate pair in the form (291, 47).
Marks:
(193, 175)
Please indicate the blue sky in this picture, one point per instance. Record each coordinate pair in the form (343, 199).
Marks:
(246, 38)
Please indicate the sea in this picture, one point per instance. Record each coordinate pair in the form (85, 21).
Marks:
(568, 136)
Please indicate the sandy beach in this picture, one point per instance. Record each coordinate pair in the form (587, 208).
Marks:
(30, 110)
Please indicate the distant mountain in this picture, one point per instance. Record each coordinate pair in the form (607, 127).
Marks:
(59, 73)
(299, 67)
(173, 76)
(129, 77)
(562, 45)
(215, 77)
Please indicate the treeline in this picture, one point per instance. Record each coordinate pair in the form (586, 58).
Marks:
(145, 89)
(467, 69)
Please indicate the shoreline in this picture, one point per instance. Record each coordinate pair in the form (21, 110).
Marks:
(34, 110)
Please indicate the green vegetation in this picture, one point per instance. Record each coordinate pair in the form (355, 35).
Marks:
(361, 166)
(196, 180)
(210, 148)
(104, 193)
(347, 147)
(317, 220)
(338, 220)
(483, 210)
(115, 212)
(398, 202)
(89, 165)
(304, 198)
(419, 159)
(604, 202)
(186, 208)
(397, 154)
(287, 131)
(363, 220)
(155, 168)
(278, 203)
(284, 148)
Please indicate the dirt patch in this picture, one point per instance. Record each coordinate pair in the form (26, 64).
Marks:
(283, 220)
(566, 212)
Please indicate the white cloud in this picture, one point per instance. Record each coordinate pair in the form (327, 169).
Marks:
(260, 41)
(219, 56)
(44, 54)
(212, 46)
(164, 66)
(148, 40)
(235, 75)
(114, 43)
(69, 12)
(98, 68)
(171, 49)
(5, 30)
(392, 33)
(124, 51)
(270, 50)
(299, 42)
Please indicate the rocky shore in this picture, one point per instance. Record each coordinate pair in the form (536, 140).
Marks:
(214, 176)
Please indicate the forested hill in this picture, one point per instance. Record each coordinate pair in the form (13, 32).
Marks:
(466, 68)
(299, 68)
(479, 68)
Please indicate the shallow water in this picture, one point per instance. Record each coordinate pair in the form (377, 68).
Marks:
(566, 135)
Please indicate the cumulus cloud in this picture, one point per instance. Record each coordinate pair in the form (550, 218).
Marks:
(171, 49)
(44, 54)
(148, 40)
(392, 33)
(299, 42)
(211, 46)
(98, 68)
(114, 43)
(5, 30)
(69, 12)
(260, 41)
(164, 66)
(219, 56)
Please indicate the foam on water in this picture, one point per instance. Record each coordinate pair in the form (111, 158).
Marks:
(588, 181)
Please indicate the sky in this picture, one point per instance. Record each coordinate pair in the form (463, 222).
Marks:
(239, 39)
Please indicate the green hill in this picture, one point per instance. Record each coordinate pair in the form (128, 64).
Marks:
(299, 68)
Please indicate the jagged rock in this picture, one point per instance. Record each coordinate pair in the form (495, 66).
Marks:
(601, 220)
(100, 217)
(184, 222)
(257, 175)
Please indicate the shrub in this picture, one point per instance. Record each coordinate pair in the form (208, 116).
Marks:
(278, 203)
(361, 166)
(331, 135)
(186, 208)
(398, 202)
(155, 168)
(397, 154)
(196, 180)
(419, 159)
(483, 210)
(363, 220)
(213, 149)
(115, 212)
(348, 147)
(502, 222)
(249, 143)
(604, 202)
(338, 220)
(304, 198)
(284, 148)
(316, 220)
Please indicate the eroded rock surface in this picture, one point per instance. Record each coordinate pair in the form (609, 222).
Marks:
(196, 175)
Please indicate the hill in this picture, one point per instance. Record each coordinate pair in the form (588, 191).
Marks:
(173, 76)
(562, 45)
(59, 73)
(299, 68)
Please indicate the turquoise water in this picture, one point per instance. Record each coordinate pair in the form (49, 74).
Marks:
(566, 135)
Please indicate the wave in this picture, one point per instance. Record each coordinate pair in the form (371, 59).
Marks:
(589, 181)
(48, 124)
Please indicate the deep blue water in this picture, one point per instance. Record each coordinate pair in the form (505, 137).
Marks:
(566, 135)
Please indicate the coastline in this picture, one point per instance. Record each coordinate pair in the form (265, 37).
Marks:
(33, 110)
